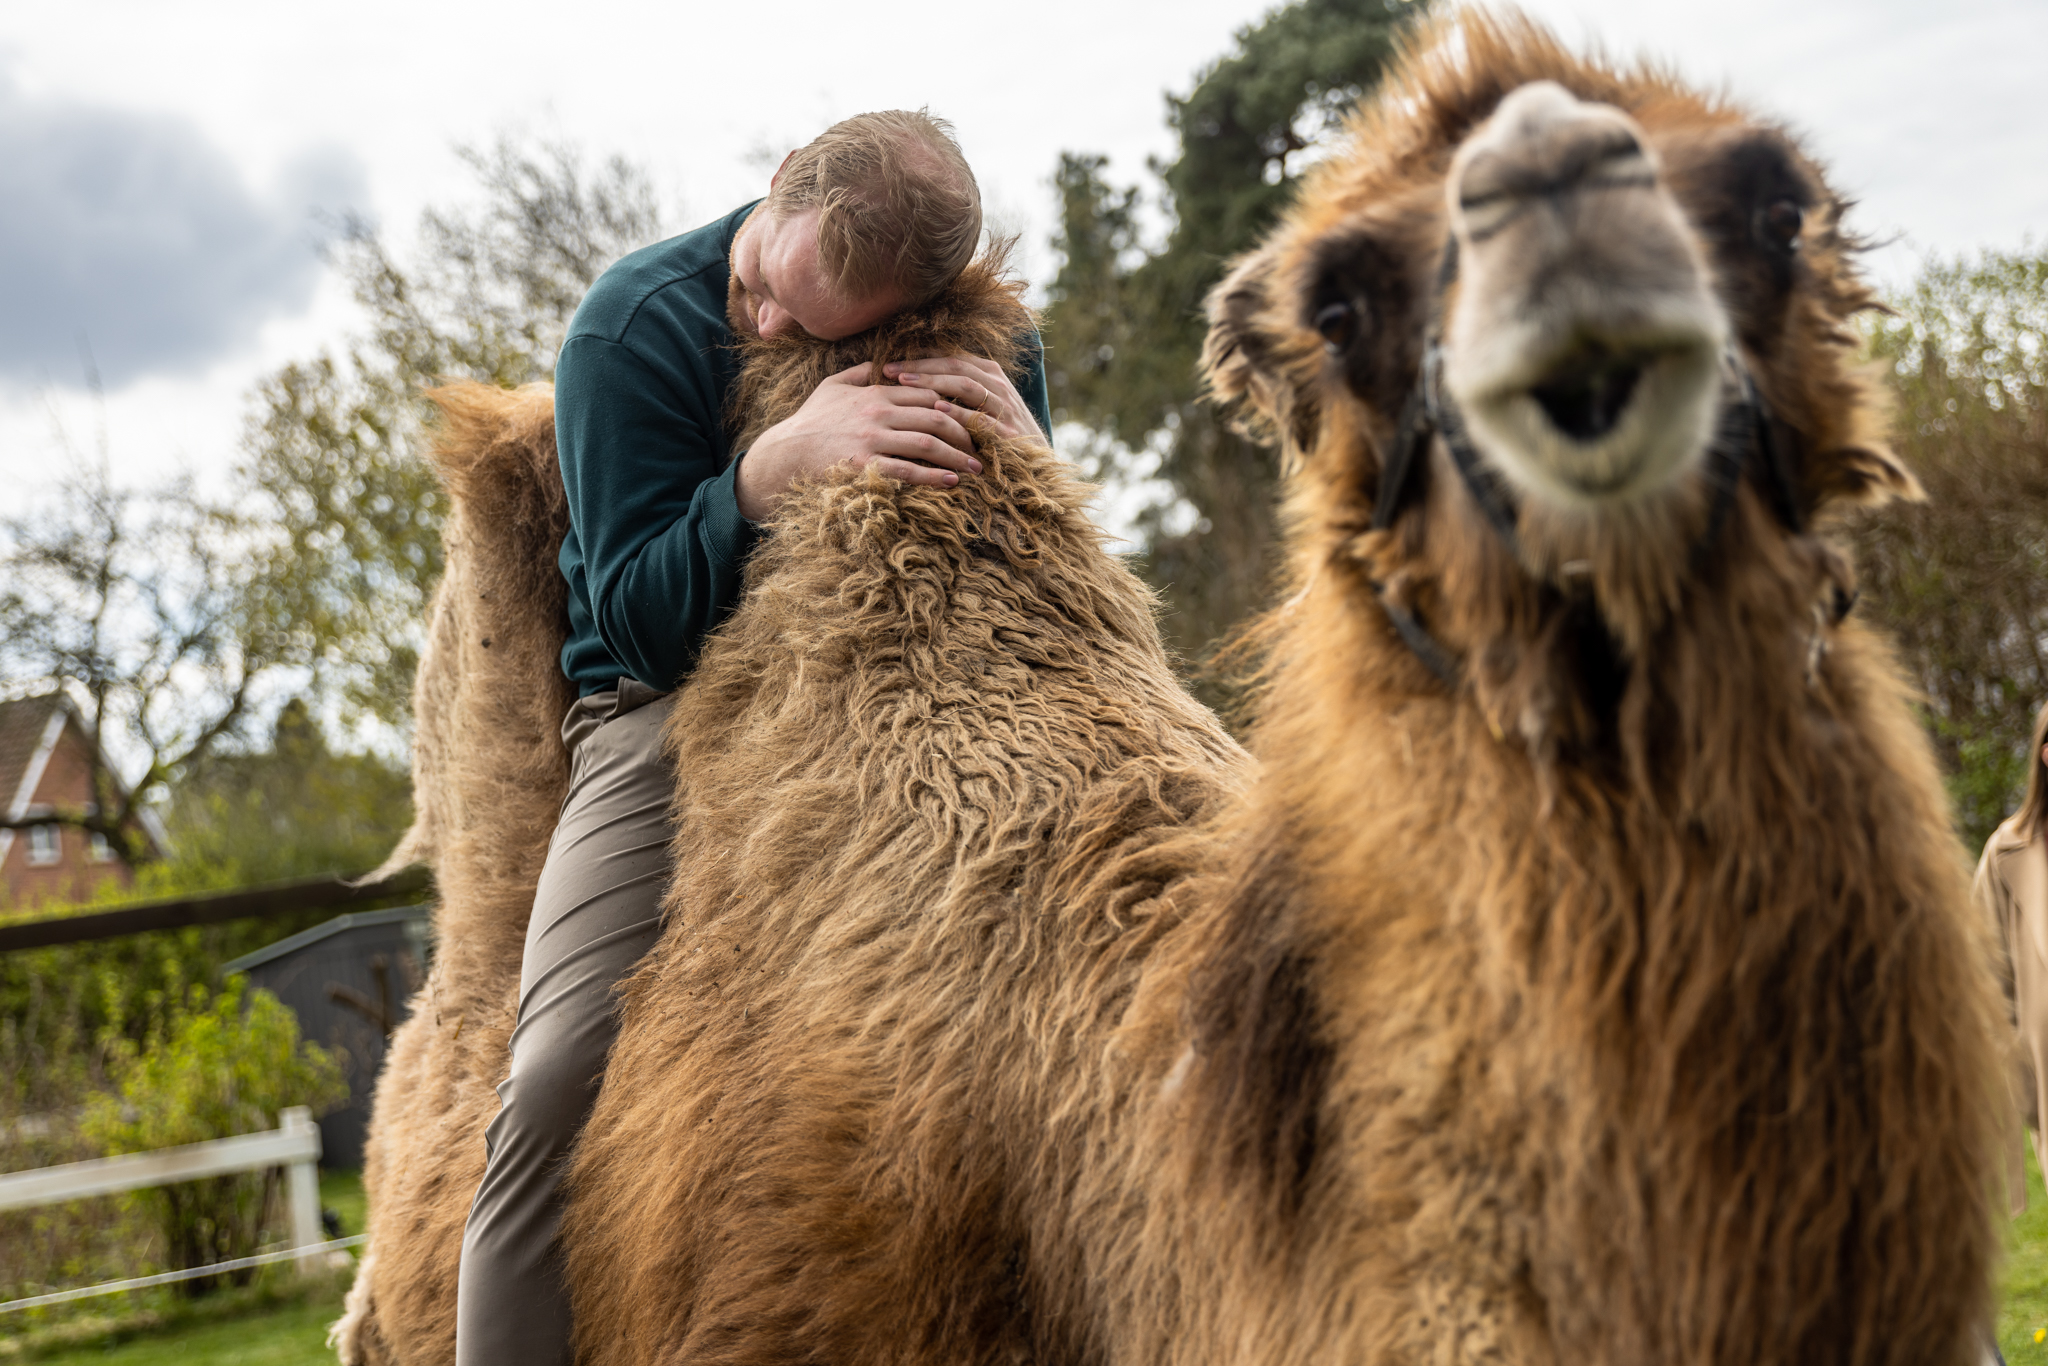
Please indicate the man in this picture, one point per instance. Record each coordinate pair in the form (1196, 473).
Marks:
(877, 215)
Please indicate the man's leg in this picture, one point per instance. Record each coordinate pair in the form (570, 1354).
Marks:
(596, 910)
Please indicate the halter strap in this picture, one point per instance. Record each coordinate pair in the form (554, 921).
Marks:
(1746, 428)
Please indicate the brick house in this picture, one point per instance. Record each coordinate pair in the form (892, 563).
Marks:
(45, 762)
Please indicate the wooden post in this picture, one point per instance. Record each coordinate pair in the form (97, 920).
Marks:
(302, 1185)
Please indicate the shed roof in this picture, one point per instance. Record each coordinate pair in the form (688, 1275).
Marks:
(325, 929)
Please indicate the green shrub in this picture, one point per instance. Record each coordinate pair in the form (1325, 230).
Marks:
(219, 1067)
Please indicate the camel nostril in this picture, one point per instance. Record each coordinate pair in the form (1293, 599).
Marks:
(1586, 399)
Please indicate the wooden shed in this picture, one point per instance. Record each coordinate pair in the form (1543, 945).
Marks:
(350, 981)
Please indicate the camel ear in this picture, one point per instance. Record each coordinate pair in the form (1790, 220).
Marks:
(1239, 363)
(1865, 476)
(1235, 345)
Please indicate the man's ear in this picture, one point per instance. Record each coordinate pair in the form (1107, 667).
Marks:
(1241, 357)
(778, 169)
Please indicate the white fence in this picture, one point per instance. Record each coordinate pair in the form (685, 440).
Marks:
(293, 1145)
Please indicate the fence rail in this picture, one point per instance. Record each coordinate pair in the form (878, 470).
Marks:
(293, 1145)
(212, 908)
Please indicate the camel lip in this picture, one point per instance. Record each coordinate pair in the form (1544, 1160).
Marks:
(1599, 416)
(1585, 395)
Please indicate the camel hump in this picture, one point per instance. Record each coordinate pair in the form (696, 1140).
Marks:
(490, 678)
(495, 452)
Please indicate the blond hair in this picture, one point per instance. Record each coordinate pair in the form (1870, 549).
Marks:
(897, 204)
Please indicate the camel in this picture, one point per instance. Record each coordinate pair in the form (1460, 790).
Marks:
(1580, 972)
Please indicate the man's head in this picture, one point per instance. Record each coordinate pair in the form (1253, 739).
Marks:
(876, 215)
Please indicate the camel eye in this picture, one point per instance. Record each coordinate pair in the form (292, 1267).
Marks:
(1338, 324)
(1778, 224)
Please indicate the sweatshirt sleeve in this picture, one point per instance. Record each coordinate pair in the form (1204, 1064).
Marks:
(661, 534)
(1031, 386)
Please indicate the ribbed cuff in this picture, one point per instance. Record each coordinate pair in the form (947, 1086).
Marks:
(727, 532)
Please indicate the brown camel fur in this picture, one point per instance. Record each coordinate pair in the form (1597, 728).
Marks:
(1615, 1002)
(1003, 582)
(489, 772)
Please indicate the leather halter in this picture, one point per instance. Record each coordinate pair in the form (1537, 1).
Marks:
(1744, 435)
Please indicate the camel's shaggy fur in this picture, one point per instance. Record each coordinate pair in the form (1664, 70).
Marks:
(1008, 634)
(489, 771)
(1619, 1004)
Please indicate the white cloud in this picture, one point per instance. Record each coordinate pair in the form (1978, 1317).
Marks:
(135, 236)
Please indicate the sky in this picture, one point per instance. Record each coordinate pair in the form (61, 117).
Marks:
(165, 169)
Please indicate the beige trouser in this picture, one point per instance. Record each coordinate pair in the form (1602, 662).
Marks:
(596, 910)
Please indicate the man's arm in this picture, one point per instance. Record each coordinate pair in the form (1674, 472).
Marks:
(656, 519)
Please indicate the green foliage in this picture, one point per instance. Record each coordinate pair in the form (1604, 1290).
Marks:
(1125, 325)
(222, 1063)
(355, 519)
(70, 1017)
(292, 810)
(1962, 579)
(216, 1068)
(64, 1009)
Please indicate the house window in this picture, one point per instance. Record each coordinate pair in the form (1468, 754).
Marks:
(102, 852)
(43, 845)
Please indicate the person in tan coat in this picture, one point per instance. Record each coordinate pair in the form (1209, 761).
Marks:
(2012, 887)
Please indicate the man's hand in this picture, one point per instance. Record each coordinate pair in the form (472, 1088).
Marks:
(971, 383)
(903, 431)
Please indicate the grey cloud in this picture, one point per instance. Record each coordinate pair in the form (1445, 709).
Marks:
(136, 233)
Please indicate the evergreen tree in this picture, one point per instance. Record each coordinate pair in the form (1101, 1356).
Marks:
(1125, 324)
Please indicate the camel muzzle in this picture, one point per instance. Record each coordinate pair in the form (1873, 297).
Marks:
(1583, 343)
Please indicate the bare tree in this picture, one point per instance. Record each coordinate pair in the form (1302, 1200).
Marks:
(163, 615)
(137, 605)
(484, 293)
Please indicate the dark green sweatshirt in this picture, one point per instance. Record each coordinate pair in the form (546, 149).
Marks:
(656, 540)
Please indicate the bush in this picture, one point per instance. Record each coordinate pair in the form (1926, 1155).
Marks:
(218, 1068)
(1962, 580)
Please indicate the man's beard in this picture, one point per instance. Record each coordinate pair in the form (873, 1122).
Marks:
(736, 315)
(747, 337)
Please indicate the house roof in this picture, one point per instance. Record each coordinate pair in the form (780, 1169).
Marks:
(22, 722)
(24, 732)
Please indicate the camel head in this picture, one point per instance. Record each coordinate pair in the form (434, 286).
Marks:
(1547, 339)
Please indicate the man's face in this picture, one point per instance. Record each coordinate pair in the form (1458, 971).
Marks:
(783, 288)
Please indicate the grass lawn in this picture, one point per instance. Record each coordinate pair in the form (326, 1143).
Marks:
(2023, 1310)
(290, 1329)
(287, 1335)
(280, 1321)
(342, 1192)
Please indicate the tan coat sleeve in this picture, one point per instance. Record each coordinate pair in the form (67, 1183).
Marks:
(1995, 899)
